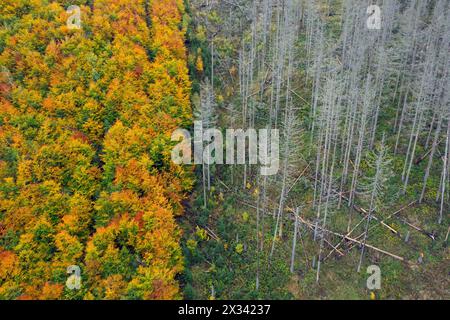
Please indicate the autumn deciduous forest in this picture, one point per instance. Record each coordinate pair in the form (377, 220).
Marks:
(94, 207)
(86, 178)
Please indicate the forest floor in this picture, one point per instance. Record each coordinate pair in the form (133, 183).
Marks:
(215, 264)
(223, 260)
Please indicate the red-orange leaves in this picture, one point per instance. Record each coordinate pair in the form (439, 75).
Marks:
(86, 177)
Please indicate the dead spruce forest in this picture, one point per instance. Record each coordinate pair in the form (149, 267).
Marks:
(92, 205)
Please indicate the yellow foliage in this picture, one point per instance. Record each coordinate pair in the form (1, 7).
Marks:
(88, 179)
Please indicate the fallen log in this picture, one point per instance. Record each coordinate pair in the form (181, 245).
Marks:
(348, 234)
(308, 223)
(364, 211)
